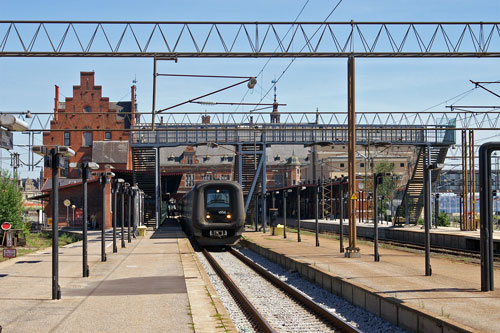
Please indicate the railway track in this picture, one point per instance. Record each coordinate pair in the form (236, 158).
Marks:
(253, 315)
(319, 318)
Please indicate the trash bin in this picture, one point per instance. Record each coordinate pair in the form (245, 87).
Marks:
(278, 230)
(273, 216)
(142, 230)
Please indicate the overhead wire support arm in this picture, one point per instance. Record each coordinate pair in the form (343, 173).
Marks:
(480, 85)
(250, 79)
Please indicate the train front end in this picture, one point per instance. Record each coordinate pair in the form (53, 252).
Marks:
(219, 211)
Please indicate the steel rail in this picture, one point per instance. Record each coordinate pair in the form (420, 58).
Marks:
(313, 307)
(255, 317)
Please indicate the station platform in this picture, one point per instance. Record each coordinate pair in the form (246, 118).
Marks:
(155, 284)
(396, 287)
(444, 237)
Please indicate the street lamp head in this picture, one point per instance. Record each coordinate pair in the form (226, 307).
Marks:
(92, 165)
(39, 150)
(73, 206)
(65, 151)
(29, 114)
(107, 174)
(12, 123)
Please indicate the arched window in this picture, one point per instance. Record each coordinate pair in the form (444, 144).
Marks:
(87, 109)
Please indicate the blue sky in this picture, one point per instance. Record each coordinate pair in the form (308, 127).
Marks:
(381, 84)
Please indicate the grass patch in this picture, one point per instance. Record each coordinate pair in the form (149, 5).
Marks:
(42, 240)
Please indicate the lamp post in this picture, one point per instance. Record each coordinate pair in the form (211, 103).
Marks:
(436, 210)
(378, 178)
(460, 208)
(116, 188)
(316, 190)
(73, 207)
(54, 159)
(285, 195)
(428, 167)
(341, 222)
(85, 170)
(129, 200)
(135, 194)
(123, 191)
(299, 188)
(104, 179)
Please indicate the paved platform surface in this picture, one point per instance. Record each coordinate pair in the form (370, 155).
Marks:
(453, 291)
(152, 285)
(388, 225)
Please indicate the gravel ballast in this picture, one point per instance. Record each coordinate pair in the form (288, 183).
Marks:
(282, 312)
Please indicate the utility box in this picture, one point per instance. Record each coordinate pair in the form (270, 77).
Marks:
(278, 230)
(142, 230)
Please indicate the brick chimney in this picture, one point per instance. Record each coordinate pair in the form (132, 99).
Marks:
(132, 108)
(56, 102)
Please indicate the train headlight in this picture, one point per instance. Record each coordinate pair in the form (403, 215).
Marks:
(208, 216)
(228, 216)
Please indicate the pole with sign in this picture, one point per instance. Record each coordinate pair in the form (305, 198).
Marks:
(8, 252)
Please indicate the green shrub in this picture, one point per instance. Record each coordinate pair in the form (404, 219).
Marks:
(11, 202)
(443, 220)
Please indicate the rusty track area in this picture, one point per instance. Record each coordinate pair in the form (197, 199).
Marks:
(339, 324)
(261, 325)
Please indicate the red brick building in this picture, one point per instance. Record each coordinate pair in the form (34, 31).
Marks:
(94, 128)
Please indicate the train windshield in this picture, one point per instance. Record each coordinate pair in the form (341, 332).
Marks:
(217, 199)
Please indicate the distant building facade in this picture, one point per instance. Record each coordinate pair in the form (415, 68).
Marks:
(96, 129)
(33, 209)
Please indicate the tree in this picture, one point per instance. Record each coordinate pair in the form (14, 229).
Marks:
(11, 201)
(389, 184)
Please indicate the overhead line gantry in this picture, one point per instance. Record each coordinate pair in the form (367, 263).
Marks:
(173, 40)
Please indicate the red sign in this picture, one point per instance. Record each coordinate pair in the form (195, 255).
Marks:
(6, 226)
(9, 238)
(78, 216)
(9, 253)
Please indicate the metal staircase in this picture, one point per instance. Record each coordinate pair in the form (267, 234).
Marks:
(414, 191)
(248, 167)
(143, 160)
